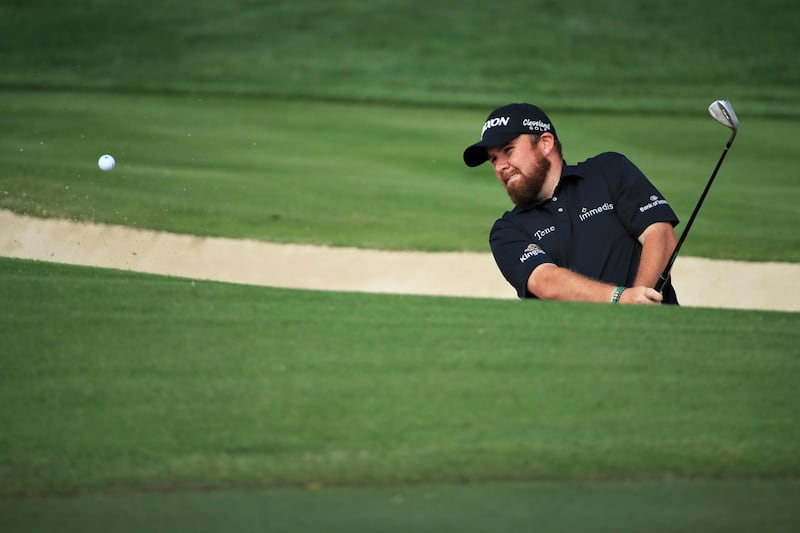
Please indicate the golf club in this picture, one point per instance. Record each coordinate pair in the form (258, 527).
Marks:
(722, 111)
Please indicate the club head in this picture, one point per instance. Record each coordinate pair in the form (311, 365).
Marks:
(723, 112)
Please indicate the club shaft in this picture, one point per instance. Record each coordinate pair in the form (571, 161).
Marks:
(662, 280)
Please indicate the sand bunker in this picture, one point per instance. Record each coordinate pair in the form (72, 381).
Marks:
(699, 282)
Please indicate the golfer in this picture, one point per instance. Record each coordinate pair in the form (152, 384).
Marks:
(598, 231)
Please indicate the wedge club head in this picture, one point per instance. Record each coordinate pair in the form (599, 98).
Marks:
(723, 112)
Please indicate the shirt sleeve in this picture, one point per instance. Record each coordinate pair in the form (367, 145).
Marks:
(638, 203)
(516, 255)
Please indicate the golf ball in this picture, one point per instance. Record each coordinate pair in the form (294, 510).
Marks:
(106, 163)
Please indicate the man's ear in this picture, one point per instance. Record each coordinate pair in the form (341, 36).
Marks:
(547, 142)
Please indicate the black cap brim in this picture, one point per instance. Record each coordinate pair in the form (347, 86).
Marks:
(476, 154)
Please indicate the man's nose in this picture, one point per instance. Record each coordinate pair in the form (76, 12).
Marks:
(499, 164)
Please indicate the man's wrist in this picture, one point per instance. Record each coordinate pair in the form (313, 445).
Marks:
(617, 294)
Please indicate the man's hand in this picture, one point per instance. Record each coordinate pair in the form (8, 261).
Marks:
(640, 295)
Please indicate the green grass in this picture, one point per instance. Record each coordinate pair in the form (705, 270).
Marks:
(159, 383)
(620, 54)
(137, 402)
(362, 175)
(671, 506)
(343, 122)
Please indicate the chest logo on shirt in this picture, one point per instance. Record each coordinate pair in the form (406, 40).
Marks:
(539, 233)
(531, 251)
(589, 213)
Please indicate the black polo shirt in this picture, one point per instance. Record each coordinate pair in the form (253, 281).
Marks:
(591, 225)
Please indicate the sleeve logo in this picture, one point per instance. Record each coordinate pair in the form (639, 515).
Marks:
(655, 201)
(531, 251)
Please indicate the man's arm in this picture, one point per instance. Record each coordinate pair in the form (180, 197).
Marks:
(551, 282)
(658, 242)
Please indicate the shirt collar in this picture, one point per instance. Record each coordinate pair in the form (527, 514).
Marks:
(567, 171)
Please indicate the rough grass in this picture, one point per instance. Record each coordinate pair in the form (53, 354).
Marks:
(116, 380)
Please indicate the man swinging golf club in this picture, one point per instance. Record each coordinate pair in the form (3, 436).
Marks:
(597, 231)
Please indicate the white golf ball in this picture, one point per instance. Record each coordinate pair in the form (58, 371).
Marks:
(106, 163)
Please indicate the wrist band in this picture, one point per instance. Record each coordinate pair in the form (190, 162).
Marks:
(617, 294)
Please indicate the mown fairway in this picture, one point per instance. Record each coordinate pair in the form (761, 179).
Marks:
(630, 55)
(249, 120)
(363, 175)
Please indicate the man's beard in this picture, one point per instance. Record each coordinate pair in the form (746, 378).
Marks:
(526, 190)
